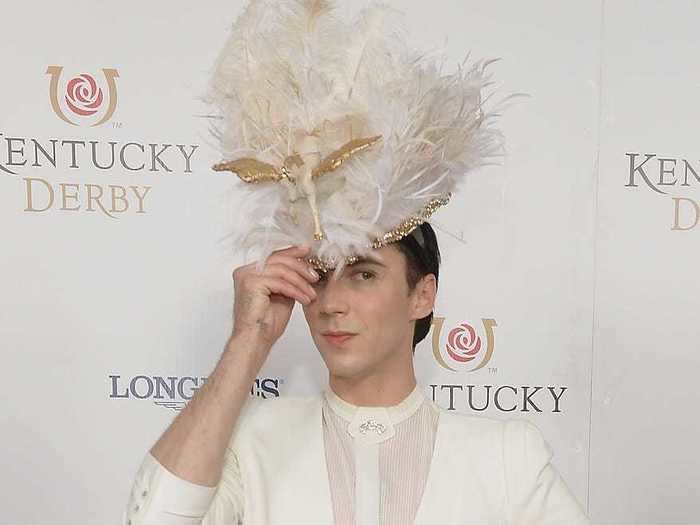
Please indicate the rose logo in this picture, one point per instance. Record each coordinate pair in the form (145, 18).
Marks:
(83, 96)
(462, 343)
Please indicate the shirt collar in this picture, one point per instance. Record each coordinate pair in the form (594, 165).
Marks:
(395, 413)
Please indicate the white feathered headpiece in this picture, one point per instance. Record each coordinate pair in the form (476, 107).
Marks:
(350, 139)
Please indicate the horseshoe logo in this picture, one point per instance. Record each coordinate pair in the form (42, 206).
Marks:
(83, 96)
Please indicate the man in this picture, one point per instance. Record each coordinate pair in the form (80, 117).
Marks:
(372, 449)
(350, 141)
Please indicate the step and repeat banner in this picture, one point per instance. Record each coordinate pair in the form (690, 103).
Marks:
(568, 291)
(644, 466)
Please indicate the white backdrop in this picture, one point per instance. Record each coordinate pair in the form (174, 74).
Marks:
(573, 262)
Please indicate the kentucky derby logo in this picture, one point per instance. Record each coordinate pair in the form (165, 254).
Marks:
(82, 97)
(463, 346)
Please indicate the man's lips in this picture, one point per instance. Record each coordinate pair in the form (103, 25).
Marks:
(338, 337)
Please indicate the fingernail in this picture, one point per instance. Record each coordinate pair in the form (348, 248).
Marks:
(313, 273)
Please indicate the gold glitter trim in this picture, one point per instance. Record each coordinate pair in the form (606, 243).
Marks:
(326, 265)
(410, 224)
(393, 235)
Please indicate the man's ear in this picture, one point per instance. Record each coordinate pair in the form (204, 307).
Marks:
(423, 300)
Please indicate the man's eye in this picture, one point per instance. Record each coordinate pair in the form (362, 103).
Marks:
(366, 275)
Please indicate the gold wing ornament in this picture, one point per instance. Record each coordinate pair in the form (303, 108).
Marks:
(251, 170)
(298, 174)
(335, 159)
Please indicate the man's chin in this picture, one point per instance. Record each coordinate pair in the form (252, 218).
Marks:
(344, 365)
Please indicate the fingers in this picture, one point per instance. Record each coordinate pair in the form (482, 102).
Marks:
(288, 259)
(291, 256)
(275, 280)
(303, 268)
(282, 287)
(289, 272)
(285, 272)
(293, 251)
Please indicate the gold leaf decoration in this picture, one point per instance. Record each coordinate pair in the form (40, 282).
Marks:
(251, 170)
(335, 159)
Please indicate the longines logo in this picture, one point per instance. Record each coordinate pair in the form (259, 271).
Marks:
(173, 392)
(88, 100)
(662, 174)
(464, 350)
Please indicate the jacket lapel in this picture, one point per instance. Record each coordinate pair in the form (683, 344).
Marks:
(465, 480)
(435, 503)
(300, 490)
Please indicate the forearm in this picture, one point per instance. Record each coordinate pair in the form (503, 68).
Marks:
(194, 444)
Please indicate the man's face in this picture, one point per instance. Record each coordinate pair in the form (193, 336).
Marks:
(362, 320)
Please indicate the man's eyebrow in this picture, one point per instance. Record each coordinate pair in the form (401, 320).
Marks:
(368, 261)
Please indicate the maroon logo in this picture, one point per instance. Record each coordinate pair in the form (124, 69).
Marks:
(463, 344)
(83, 96)
(84, 101)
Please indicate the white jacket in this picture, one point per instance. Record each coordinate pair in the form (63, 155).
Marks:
(483, 472)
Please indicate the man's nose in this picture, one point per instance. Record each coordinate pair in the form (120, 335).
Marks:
(332, 298)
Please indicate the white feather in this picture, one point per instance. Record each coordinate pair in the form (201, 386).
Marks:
(291, 65)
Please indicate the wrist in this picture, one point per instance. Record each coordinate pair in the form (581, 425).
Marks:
(250, 343)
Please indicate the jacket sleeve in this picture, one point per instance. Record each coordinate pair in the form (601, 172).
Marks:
(159, 497)
(535, 492)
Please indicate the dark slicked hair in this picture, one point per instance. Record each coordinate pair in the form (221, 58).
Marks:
(422, 254)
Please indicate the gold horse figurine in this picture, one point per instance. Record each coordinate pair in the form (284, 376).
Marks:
(298, 170)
